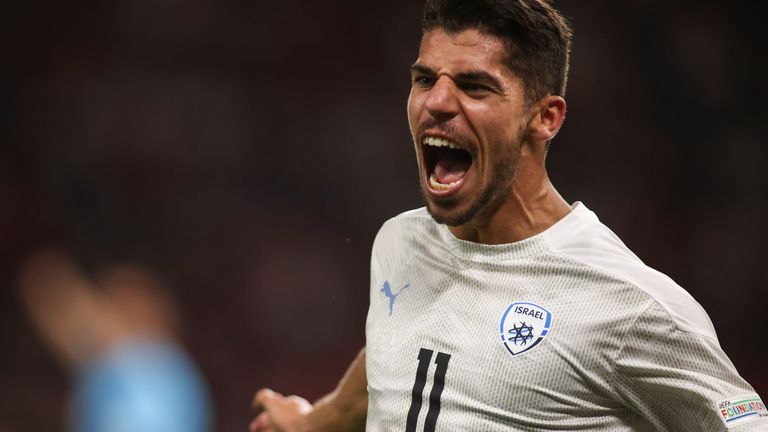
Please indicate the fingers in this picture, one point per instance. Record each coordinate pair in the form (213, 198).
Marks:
(264, 402)
(264, 398)
(277, 413)
(261, 424)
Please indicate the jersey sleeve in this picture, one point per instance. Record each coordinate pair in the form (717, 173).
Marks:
(683, 381)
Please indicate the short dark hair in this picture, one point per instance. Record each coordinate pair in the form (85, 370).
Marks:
(537, 37)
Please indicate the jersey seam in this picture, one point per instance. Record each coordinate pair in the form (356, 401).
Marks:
(622, 344)
(463, 260)
(633, 285)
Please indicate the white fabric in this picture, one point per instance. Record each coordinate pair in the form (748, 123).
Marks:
(628, 349)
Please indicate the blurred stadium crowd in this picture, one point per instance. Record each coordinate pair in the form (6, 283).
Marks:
(247, 152)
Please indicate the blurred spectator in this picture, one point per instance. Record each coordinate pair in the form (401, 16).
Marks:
(119, 337)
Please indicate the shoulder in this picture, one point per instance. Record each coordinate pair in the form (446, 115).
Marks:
(408, 224)
(581, 236)
(410, 217)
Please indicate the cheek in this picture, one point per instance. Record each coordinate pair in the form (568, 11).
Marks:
(503, 125)
(412, 111)
(499, 133)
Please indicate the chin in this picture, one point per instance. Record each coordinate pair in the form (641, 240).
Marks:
(454, 212)
(449, 213)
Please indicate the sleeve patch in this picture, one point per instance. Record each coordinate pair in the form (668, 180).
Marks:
(741, 410)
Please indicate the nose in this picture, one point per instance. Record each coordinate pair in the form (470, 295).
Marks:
(442, 100)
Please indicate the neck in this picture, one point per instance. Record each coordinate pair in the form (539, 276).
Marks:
(532, 206)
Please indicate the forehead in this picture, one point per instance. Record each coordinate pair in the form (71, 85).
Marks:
(464, 50)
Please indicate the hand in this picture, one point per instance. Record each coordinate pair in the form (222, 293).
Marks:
(278, 413)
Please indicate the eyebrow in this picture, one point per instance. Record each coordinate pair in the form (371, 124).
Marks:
(417, 68)
(471, 75)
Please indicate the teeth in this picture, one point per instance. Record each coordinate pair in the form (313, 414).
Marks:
(440, 142)
(442, 187)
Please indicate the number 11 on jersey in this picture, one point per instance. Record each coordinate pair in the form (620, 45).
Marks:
(441, 360)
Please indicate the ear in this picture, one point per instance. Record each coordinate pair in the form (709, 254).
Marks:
(547, 116)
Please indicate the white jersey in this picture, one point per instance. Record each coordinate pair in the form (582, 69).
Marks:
(567, 330)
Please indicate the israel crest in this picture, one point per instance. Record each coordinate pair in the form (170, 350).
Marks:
(523, 326)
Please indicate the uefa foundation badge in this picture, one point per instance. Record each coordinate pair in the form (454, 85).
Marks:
(742, 410)
(523, 326)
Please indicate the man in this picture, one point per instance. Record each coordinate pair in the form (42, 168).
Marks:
(507, 308)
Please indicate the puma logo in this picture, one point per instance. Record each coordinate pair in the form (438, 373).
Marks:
(387, 290)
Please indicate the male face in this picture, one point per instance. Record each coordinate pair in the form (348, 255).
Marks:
(467, 116)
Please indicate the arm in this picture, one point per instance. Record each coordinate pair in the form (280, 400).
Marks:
(344, 409)
(74, 320)
(682, 381)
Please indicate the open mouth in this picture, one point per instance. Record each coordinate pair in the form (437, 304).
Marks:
(446, 164)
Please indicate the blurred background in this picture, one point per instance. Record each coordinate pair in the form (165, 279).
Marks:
(246, 152)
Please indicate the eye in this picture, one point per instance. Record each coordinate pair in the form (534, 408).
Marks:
(423, 81)
(475, 88)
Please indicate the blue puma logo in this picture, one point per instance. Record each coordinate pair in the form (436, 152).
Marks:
(387, 290)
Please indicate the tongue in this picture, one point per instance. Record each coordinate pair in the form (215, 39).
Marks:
(450, 171)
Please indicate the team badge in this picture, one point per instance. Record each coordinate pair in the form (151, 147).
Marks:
(523, 326)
